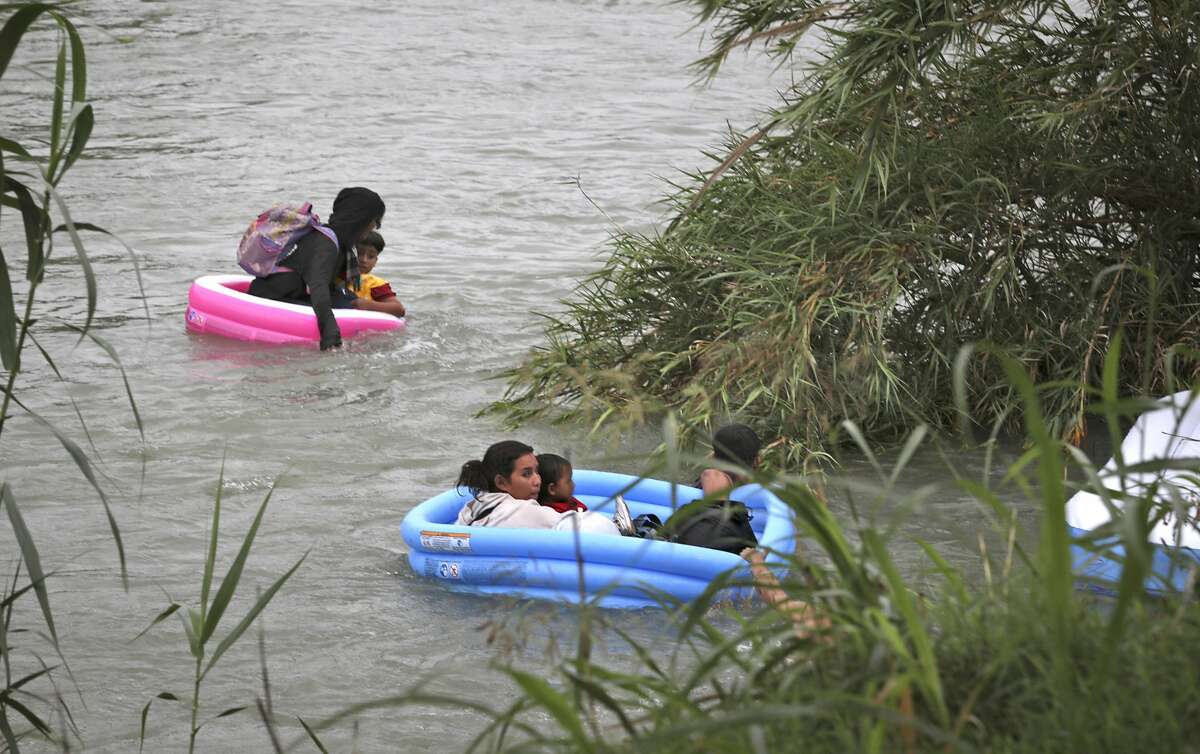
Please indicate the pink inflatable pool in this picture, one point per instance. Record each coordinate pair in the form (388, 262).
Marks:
(219, 304)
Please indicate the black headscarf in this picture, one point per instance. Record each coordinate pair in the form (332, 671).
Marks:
(354, 210)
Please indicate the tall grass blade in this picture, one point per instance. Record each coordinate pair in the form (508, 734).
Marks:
(33, 563)
(16, 26)
(34, 219)
(9, 355)
(543, 694)
(166, 695)
(56, 113)
(29, 715)
(1054, 552)
(85, 263)
(312, 736)
(245, 623)
(74, 404)
(210, 557)
(167, 612)
(229, 584)
(133, 258)
(112, 354)
(85, 466)
(927, 669)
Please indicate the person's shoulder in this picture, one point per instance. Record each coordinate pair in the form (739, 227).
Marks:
(316, 241)
(372, 281)
(714, 480)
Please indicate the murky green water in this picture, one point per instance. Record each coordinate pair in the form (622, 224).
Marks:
(478, 124)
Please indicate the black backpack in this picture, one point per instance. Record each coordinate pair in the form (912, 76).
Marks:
(721, 525)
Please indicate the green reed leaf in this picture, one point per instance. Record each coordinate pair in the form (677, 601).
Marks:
(81, 461)
(133, 258)
(544, 695)
(167, 695)
(74, 404)
(312, 736)
(80, 126)
(78, 60)
(29, 553)
(927, 668)
(233, 576)
(167, 612)
(8, 145)
(16, 26)
(210, 557)
(116, 359)
(35, 220)
(29, 715)
(9, 356)
(56, 114)
(245, 623)
(85, 263)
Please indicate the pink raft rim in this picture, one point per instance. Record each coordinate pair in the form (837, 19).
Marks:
(219, 305)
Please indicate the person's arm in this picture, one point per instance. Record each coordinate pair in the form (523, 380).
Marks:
(390, 305)
(318, 276)
(804, 618)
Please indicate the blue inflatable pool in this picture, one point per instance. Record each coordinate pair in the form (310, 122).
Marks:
(621, 571)
(1168, 433)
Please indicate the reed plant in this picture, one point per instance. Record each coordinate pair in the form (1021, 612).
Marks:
(1018, 174)
(999, 655)
(30, 198)
(200, 623)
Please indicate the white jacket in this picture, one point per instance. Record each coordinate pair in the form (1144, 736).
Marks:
(505, 511)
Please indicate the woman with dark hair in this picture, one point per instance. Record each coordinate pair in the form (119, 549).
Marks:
(504, 487)
(308, 274)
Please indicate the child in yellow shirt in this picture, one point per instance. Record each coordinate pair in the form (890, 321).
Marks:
(374, 293)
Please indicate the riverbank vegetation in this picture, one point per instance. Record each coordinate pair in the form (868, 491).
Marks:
(999, 655)
(1015, 174)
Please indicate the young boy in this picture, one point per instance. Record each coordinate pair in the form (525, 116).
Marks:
(374, 293)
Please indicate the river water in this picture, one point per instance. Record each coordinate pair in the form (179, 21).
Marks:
(509, 140)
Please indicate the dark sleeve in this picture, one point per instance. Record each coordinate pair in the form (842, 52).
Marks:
(321, 263)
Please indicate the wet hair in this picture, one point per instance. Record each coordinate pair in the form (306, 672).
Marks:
(354, 210)
(551, 468)
(374, 240)
(736, 443)
(500, 459)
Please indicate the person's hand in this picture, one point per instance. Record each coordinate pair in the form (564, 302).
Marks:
(752, 555)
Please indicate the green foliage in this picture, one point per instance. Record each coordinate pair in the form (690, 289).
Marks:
(200, 624)
(1014, 662)
(1017, 174)
(29, 180)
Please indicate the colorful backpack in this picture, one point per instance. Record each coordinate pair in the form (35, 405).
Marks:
(274, 234)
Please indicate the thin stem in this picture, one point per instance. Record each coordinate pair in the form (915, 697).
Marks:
(195, 708)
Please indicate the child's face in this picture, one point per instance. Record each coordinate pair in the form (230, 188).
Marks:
(523, 483)
(367, 257)
(562, 490)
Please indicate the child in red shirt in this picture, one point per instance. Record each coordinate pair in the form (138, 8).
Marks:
(558, 487)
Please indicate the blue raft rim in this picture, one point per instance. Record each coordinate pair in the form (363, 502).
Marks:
(1100, 572)
(618, 572)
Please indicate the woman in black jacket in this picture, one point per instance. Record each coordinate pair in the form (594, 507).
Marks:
(307, 275)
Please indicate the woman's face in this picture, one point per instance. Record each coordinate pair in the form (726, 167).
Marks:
(523, 483)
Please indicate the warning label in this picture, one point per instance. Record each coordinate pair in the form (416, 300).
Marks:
(446, 541)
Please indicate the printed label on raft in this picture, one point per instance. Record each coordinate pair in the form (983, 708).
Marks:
(446, 541)
(449, 570)
(194, 316)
